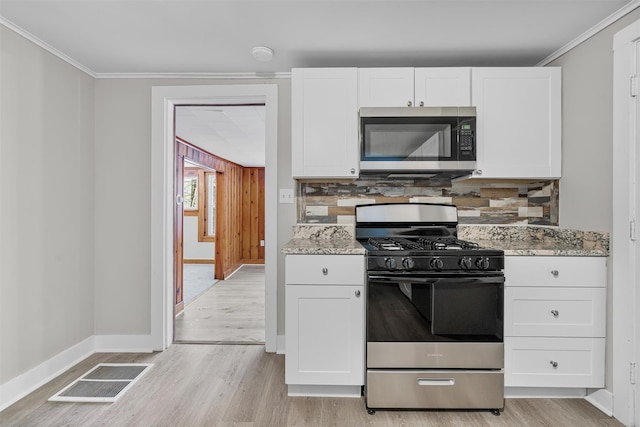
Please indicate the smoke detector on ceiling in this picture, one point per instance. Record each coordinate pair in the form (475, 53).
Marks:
(262, 53)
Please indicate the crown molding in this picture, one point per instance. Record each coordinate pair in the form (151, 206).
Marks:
(275, 75)
(52, 50)
(629, 7)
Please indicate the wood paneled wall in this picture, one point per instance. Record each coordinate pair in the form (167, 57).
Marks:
(253, 215)
(239, 209)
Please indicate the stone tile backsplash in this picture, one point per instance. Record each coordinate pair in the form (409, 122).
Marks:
(479, 201)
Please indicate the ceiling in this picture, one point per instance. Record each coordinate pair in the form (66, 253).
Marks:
(235, 133)
(214, 37)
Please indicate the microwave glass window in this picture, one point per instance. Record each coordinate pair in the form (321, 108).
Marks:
(418, 141)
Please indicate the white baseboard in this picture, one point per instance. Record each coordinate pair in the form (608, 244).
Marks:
(20, 386)
(281, 345)
(123, 344)
(351, 391)
(544, 392)
(601, 399)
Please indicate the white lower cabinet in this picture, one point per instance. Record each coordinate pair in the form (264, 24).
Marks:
(555, 312)
(324, 324)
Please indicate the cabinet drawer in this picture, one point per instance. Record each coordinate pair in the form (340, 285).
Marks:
(554, 312)
(435, 389)
(554, 362)
(324, 269)
(583, 272)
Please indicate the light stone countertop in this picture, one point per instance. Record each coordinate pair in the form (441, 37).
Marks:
(513, 240)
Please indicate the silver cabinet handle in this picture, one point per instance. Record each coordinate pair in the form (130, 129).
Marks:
(179, 199)
(353, 171)
(422, 103)
(357, 294)
(555, 273)
(325, 271)
(554, 364)
(409, 103)
(555, 313)
(479, 172)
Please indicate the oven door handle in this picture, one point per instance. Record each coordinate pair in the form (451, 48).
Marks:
(395, 279)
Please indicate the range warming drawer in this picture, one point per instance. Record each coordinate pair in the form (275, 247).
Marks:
(441, 389)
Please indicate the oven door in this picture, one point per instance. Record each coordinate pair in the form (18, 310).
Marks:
(435, 320)
(436, 307)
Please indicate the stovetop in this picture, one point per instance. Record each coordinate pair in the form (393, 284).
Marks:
(427, 254)
(422, 237)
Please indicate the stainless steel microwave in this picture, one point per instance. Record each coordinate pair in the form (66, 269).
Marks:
(424, 140)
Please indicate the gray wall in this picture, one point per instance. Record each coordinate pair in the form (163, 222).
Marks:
(46, 205)
(587, 144)
(123, 187)
(587, 131)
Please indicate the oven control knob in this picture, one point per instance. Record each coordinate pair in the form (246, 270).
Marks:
(408, 263)
(482, 263)
(465, 263)
(436, 264)
(391, 263)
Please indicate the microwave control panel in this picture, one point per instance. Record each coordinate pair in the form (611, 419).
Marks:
(466, 142)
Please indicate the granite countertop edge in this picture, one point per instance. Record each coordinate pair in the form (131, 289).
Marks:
(514, 241)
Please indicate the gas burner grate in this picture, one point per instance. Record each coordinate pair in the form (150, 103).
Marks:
(390, 244)
(447, 243)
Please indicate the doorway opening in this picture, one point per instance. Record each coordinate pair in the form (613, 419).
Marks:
(163, 198)
(219, 224)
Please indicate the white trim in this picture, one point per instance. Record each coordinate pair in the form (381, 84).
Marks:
(52, 50)
(624, 339)
(601, 399)
(164, 98)
(544, 393)
(123, 344)
(275, 75)
(629, 7)
(20, 386)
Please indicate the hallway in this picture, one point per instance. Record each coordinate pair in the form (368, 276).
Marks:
(231, 311)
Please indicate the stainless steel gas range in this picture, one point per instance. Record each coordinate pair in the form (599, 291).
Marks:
(434, 319)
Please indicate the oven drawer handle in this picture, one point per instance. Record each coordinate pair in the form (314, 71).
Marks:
(437, 381)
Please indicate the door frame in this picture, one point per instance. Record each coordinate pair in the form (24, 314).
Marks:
(624, 251)
(164, 99)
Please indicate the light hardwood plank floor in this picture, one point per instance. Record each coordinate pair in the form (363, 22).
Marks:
(241, 385)
(232, 311)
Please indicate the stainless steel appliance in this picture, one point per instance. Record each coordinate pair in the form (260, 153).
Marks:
(434, 313)
(425, 140)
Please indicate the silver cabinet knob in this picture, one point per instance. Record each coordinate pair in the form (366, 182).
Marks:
(357, 294)
(409, 103)
(179, 199)
(422, 103)
(325, 271)
(555, 273)
(554, 364)
(479, 172)
(555, 313)
(353, 171)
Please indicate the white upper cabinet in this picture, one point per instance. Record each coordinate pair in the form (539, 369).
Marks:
(518, 121)
(443, 87)
(421, 87)
(324, 114)
(385, 87)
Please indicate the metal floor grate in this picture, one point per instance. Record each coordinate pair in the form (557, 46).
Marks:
(105, 382)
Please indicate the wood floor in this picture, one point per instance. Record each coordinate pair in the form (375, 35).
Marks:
(240, 385)
(232, 311)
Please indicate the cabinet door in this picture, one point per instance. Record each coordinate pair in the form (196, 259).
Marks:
(325, 335)
(385, 87)
(519, 121)
(443, 87)
(324, 115)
